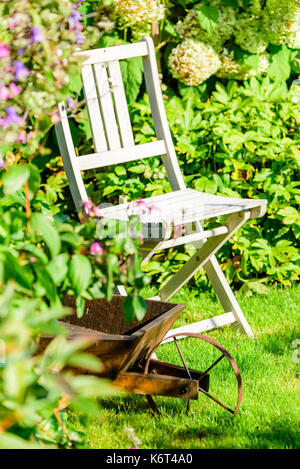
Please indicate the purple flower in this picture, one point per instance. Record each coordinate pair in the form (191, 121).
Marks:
(96, 248)
(36, 35)
(4, 50)
(79, 37)
(74, 20)
(11, 117)
(20, 70)
(70, 103)
(76, 26)
(2, 162)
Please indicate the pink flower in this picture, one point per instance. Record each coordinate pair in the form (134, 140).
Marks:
(4, 50)
(96, 249)
(88, 207)
(148, 208)
(15, 89)
(4, 93)
(97, 211)
(22, 137)
(179, 230)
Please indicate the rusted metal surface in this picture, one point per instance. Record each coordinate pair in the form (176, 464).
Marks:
(126, 350)
(157, 385)
(203, 375)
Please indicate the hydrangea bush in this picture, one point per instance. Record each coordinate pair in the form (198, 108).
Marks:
(241, 33)
(139, 15)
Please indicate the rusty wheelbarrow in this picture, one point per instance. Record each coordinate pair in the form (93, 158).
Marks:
(127, 351)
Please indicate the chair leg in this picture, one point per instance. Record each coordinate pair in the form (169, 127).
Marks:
(204, 256)
(225, 294)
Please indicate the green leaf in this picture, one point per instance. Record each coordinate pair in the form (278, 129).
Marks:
(75, 83)
(138, 169)
(134, 306)
(13, 270)
(290, 215)
(279, 69)
(208, 17)
(80, 272)
(40, 224)
(58, 268)
(80, 306)
(85, 360)
(34, 180)
(14, 178)
(120, 171)
(46, 282)
(132, 73)
(295, 61)
(109, 190)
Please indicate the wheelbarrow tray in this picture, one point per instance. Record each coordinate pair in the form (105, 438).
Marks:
(124, 348)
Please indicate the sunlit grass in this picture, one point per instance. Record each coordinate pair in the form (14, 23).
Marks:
(270, 410)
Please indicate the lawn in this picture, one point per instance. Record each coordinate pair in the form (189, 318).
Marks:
(270, 410)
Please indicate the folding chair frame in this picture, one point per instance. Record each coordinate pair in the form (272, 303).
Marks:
(114, 144)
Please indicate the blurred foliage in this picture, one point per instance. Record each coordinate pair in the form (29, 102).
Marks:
(35, 388)
(229, 73)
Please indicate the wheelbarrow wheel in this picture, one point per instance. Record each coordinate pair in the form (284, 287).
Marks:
(208, 370)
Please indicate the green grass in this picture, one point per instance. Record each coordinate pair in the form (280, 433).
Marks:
(270, 410)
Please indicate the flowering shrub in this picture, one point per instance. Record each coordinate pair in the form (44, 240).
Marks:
(239, 34)
(282, 22)
(138, 15)
(37, 39)
(192, 26)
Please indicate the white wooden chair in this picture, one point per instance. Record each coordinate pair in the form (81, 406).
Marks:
(114, 144)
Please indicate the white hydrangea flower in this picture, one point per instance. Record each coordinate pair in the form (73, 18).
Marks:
(250, 34)
(264, 63)
(233, 69)
(139, 15)
(282, 22)
(193, 62)
(191, 28)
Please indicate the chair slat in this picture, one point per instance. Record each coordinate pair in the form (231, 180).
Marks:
(121, 104)
(107, 107)
(126, 51)
(159, 116)
(68, 155)
(121, 155)
(95, 118)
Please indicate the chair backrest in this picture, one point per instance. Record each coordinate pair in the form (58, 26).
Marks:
(109, 118)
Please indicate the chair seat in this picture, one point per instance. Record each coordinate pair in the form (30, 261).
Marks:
(181, 207)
